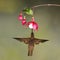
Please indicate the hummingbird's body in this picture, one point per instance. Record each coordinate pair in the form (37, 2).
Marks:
(31, 45)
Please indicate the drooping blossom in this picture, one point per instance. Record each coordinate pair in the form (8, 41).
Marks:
(20, 17)
(24, 21)
(32, 24)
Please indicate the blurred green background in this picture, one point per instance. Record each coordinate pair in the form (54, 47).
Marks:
(48, 19)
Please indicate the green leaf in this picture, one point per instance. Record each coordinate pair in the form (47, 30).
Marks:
(28, 11)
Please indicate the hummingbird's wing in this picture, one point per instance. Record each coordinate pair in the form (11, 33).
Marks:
(25, 40)
(37, 41)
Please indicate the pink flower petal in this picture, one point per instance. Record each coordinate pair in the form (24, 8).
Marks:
(20, 17)
(24, 21)
(33, 25)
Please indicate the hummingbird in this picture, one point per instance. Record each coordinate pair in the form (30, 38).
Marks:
(31, 41)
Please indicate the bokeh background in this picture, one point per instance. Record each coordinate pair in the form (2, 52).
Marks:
(48, 19)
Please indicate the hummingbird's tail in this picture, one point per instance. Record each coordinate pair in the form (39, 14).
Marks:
(30, 50)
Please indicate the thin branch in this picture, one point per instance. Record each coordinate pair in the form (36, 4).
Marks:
(46, 5)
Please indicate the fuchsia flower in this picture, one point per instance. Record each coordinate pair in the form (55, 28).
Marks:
(24, 21)
(32, 24)
(20, 17)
